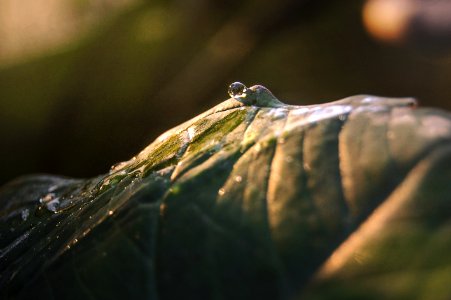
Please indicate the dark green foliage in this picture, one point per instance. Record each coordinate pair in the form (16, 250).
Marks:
(349, 199)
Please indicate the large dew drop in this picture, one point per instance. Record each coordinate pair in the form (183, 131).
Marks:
(237, 89)
(256, 95)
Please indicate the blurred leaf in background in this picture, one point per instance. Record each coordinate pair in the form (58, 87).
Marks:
(84, 84)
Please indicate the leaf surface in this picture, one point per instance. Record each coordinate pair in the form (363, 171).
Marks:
(253, 198)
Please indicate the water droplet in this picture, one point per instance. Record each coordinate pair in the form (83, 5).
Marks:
(110, 212)
(51, 202)
(191, 133)
(221, 192)
(47, 198)
(237, 89)
(175, 189)
(163, 208)
(105, 183)
(118, 166)
(238, 178)
(258, 148)
(25, 213)
(53, 205)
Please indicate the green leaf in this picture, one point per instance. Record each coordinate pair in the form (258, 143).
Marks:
(251, 199)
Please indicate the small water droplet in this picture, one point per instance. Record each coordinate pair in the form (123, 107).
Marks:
(53, 205)
(175, 189)
(221, 192)
(51, 202)
(110, 212)
(25, 213)
(238, 178)
(258, 148)
(163, 208)
(47, 198)
(106, 182)
(342, 117)
(118, 166)
(191, 133)
(237, 89)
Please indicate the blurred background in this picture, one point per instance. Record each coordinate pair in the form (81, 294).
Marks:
(87, 83)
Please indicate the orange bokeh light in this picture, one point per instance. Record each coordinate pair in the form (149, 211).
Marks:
(388, 20)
